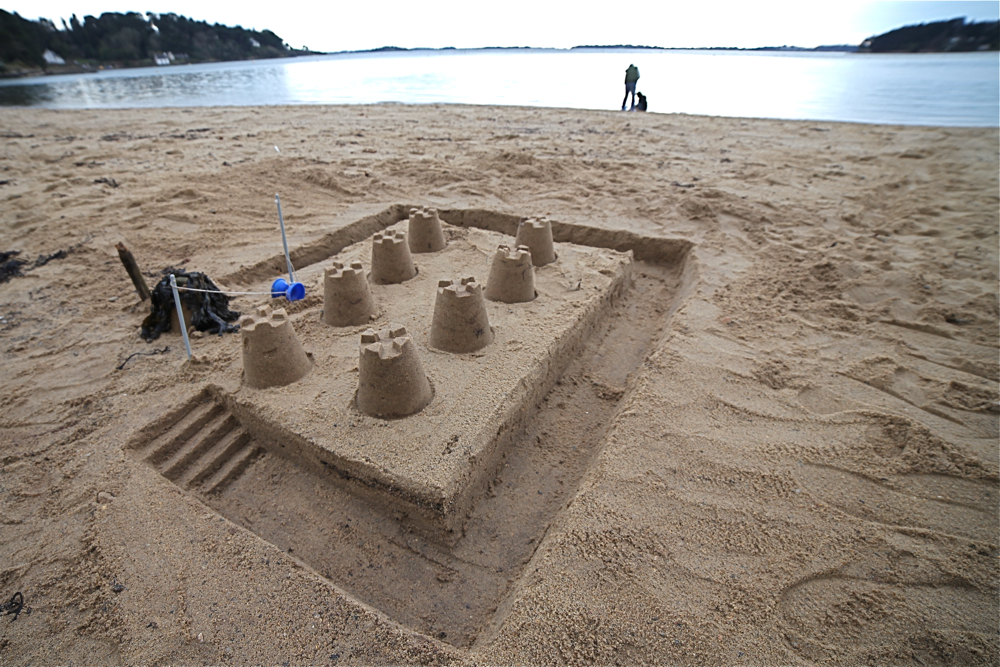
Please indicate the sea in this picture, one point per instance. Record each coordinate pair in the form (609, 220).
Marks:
(945, 89)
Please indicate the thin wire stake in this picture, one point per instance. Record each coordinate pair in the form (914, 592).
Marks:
(180, 315)
(284, 240)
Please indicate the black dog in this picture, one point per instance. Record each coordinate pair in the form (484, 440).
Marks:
(641, 104)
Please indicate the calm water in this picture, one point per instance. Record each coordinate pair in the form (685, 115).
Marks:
(924, 89)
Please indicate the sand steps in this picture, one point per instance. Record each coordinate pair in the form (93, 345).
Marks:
(204, 450)
(187, 424)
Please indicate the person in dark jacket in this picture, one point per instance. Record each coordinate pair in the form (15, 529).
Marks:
(631, 77)
(641, 105)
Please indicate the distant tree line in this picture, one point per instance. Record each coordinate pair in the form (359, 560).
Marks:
(940, 36)
(131, 39)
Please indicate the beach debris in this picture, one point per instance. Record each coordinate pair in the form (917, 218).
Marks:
(206, 310)
(107, 181)
(132, 268)
(272, 353)
(142, 354)
(536, 233)
(424, 232)
(391, 259)
(11, 265)
(512, 278)
(14, 606)
(460, 321)
(391, 379)
(347, 297)
(42, 260)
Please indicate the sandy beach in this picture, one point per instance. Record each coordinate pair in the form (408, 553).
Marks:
(751, 419)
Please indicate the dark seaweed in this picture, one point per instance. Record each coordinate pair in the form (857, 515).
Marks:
(209, 312)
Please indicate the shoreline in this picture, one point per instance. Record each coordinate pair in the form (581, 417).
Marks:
(812, 429)
(513, 107)
(241, 82)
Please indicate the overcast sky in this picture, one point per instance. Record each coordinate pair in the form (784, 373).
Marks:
(342, 26)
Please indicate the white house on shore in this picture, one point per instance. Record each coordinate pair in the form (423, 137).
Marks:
(52, 58)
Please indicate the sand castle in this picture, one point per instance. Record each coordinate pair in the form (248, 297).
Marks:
(536, 233)
(384, 431)
(347, 298)
(272, 354)
(425, 233)
(391, 380)
(460, 321)
(391, 260)
(512, 278)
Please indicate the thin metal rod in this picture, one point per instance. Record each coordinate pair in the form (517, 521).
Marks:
(284, 240)
(180, 315)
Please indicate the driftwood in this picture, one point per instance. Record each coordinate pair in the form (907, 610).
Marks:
(133, 271)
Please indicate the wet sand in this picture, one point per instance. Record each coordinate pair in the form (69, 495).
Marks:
(777, 446)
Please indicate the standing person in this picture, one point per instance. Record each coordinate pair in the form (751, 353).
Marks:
(631, 77)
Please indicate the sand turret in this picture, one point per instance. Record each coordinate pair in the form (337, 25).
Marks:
(425, 233)
(512, 277)
(347, 298)
(391, 260)
(536, 233)
(391, 380)
(272, 354)
(460, 321)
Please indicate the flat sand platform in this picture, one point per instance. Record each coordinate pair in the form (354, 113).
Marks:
(433, 462)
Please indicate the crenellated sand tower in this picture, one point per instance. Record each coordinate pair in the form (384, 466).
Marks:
(272, 354)
(536, 233)
(391, 259)
(347, 297)
(460, 321)
(425, 233)
(391, 380)
(512, 277)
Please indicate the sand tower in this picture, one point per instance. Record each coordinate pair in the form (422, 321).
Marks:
(512, 278)
(425, 233)
(272, 354)
(536, 233)
(460, 321)
(391, 260)
(391, 380)
(347, 298)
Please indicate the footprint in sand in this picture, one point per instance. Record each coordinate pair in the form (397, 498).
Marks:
(894, 603)
(938, 503)
(889, 607)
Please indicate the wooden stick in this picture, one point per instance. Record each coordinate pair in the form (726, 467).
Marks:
(133, 271)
